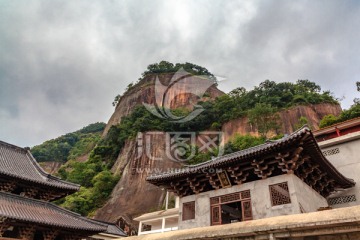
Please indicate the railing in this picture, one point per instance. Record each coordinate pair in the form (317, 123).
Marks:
(159, 230)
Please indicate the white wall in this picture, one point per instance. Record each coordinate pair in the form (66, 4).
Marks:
(260, 200)
(347, 161)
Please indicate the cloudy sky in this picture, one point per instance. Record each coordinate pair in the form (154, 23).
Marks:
(62, 62)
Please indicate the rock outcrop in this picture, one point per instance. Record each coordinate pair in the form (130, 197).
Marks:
(51, 167)
(144, 92)
(289, 119)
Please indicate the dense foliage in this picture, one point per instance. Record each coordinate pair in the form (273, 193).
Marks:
(69, 146)
(352, 112)
(168, 67)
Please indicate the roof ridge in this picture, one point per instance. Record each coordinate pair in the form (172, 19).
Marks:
(52, 205)
(36, 174)
(12, 146)
(336, 124)
(46, 174)
(303, 128)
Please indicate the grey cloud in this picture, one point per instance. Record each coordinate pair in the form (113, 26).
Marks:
(62, 62)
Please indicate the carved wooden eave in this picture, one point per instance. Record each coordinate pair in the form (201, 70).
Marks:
(27, 216)
(35, 191)
(296, 154)
(34, 181)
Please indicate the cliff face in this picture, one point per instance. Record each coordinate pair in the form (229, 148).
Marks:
(133, 196)
(51, 167)
(288, 120)
(144, 92)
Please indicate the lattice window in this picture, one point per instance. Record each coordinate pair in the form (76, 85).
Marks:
(188, 211)
(215, 215)
(246, 209)
(331, 152)
(230, 198)
(245, 194)
(342, 199)
(280, 194)
(214, 200)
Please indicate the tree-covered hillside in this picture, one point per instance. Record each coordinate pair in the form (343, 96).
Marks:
(69, 146)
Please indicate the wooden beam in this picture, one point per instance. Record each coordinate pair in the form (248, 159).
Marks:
(4, 225)
(27, 232)
(261, 168)
(7, 186)
(213, 180)
(50, 234)
(238, 176)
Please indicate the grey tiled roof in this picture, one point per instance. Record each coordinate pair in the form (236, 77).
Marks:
(113, 229)
(19, 208)
(18, 163)
(251, 153)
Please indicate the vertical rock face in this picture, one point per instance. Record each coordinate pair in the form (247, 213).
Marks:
(132, 195)
(51, 167)
(289, 118)
(144, 92)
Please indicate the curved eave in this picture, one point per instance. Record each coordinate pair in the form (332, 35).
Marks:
(247, 155)
(23, 209)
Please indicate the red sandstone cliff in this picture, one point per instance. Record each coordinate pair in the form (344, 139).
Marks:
(144, 92)
(289, 119)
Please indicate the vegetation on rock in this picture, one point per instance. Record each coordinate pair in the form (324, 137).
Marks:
(352, 112)
(69, 146)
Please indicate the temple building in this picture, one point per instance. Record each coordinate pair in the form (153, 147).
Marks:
(26, 211)
(340, 143)
(282, 177)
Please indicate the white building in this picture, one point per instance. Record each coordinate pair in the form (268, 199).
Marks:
(282, 177)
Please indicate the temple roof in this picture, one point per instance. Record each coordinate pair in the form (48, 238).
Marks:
(112, 229)
(14, 207)
(18, 163)
(296, 153)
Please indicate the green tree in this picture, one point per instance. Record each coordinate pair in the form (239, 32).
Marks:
(328, 120)
(264, 118)
(301, 122)
(116, 100)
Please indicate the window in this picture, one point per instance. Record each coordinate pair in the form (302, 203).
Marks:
(331, 152)
(234, 207)
(188, 211)
(342, 199)
(280, 194)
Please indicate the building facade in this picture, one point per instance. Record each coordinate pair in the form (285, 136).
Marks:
(282, 177)
(340, 144)
(26, 211)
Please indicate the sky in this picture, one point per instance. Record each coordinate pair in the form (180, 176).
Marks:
(63, 62)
